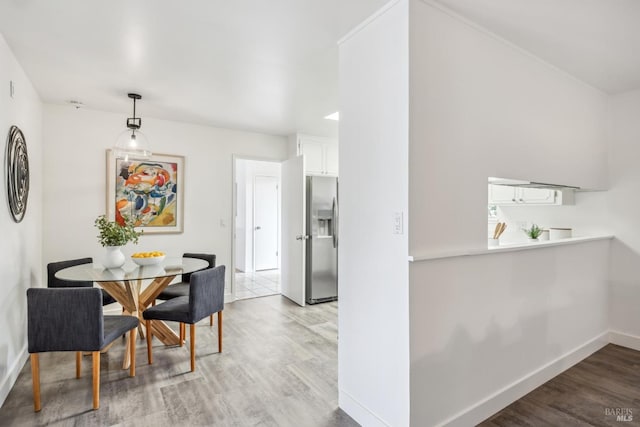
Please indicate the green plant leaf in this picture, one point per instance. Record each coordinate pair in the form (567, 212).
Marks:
(113, 234)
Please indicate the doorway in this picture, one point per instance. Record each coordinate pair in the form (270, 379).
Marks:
(266, 224)
(256, 242)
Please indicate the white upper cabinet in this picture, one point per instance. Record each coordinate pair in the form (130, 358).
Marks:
(537, 195)
(331, 158)
(507, 195)
(502, 195)
(313, 152)
(320, 154)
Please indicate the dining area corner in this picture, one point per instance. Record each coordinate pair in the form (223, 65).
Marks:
(68, 314)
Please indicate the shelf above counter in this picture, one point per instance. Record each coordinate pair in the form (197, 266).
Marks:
(507, 248)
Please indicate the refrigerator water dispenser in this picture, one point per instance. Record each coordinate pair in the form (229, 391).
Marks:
(325, 219)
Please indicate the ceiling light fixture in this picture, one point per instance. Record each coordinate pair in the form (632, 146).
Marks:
(132, 144)
(334, 116)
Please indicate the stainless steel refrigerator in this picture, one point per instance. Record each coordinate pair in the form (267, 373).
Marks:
(321, 275)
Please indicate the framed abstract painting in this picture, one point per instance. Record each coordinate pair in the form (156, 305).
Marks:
(151, 192)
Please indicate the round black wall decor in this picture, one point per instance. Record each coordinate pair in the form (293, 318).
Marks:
(17, 169)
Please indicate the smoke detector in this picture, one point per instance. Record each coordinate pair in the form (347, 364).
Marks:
(77, 104)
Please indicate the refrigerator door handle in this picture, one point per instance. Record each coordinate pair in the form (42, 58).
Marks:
(334, 222)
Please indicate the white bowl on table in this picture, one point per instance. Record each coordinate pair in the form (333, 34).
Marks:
(148, 261)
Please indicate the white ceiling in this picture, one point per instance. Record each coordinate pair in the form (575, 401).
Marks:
(267, 66)
(271, 66)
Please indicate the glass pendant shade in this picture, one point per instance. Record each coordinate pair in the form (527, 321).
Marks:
(132, 145)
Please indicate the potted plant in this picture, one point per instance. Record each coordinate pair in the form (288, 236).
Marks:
(113, 236)
(533, 232)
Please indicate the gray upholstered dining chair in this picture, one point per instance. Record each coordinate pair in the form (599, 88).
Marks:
(181, 289)
(206, 296)
(70, 319)
(54, 282)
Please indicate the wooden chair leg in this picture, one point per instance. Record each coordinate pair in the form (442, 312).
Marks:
(35, 374)
(192, 339)
(211, 320)
(149, 336)
(78, 364)
(220, 331)
(132, 350)
(183, 332)
(96, 379)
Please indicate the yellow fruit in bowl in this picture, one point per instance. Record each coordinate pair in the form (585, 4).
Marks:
(148, 258)
(153, 254)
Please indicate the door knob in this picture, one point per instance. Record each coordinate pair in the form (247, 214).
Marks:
(302, 237)
(258, 228)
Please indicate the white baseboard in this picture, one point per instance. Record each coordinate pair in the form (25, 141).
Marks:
(624, 340)
(514, 391)
(360, 413)
(12, 374)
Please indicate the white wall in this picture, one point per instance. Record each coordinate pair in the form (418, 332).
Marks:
(20, 245)
(624, 203)
(373, 344)
(481, 107)
(246, 172)
(75, 143)
(485, 330)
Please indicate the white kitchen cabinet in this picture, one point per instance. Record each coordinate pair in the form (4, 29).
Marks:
(320, 155)
(331, 159)
(507, 195)
(541, 196)
(502, 195)
(313, 157)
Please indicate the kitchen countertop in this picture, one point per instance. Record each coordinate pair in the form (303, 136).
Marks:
(508, 248)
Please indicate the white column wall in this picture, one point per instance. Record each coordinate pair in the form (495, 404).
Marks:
(373, 344)
(20, 244)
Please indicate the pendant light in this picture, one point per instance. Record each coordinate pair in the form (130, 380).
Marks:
(132, 144)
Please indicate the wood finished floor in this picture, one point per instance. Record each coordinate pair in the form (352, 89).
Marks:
(584, 395)
(278, 368)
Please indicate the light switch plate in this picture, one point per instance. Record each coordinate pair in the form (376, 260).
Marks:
(398, 223)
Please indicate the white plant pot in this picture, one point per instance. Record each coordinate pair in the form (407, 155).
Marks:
(532, 240)
(113, 257)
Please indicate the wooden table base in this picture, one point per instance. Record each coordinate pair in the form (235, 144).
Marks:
(128, 294)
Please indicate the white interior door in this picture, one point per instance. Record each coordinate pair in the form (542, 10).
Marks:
(293, 245)
(265, 223)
